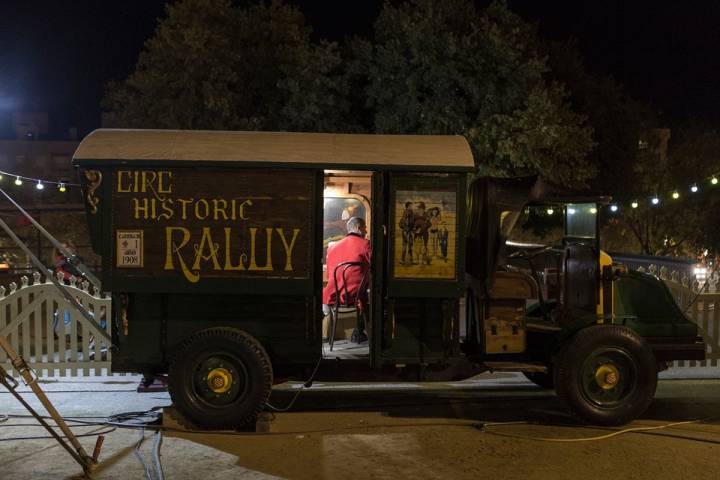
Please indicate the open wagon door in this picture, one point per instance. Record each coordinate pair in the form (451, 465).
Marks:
(424, 269)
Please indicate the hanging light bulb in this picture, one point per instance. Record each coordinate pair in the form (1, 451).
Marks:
(550, 211)
(593, 210)
(571, 211)
(39, 185)
(655, 200)
(676, 195)
(714, 180)
(0, 177)
(61, 187)
(694, 188)
(18, 181)
(613, 208)
(634, 204)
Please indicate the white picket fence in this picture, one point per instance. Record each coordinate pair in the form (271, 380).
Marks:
(52, 336)
(56, 340)
(701, 302)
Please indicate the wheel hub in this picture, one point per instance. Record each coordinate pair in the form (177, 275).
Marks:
(219, 380)
(607, 376)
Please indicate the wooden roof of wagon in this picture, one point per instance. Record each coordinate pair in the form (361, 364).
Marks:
(330, 150)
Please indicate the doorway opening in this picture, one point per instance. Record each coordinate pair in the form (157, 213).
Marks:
(346, 288)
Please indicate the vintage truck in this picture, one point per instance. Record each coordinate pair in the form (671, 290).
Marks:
(212, 245)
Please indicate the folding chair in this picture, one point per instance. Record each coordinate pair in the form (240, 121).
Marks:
(348, 301)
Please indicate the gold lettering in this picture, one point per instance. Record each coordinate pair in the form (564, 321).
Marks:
(268, 257)
(137, 208)
(167, 211)
(206, 207)
(183, 204)
(168, 187)
(217, 210)
(288, 248)
(242, 209)
(228, 261)
(120, 187)
(212, 247)
(171, 249)
(147, 182)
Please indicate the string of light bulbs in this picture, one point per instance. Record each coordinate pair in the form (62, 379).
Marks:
(654, 200)
(40, 183)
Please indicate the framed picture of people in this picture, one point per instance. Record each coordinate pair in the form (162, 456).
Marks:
(424, 229)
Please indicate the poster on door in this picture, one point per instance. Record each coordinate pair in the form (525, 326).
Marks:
(425, 225)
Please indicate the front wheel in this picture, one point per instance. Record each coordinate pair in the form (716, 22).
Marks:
(606, 375)
(220, 378)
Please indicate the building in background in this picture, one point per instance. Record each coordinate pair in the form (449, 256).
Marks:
(27, 155)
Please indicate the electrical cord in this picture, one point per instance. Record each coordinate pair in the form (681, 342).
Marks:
(484, 428)
(157, 443)
(144, 464)
(305, 385)
(45, 437)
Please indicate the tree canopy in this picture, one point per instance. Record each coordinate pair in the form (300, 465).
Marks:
(432, 67)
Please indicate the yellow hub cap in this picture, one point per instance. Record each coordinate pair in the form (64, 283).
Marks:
(219, 380)
(607, 376)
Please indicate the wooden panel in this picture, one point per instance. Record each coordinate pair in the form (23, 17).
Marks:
(436, 151)
(194, 224)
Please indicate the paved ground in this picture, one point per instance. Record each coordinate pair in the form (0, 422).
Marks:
(390, 431)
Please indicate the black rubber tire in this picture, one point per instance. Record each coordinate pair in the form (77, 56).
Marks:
(543, 380)
(237, 352)
(619, 347)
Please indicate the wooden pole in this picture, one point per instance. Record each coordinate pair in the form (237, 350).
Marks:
(19, 364)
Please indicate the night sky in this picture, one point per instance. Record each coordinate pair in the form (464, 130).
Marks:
(56, 56)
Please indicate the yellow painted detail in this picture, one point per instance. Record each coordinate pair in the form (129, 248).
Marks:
(607, 376)
(219, 380)
(605, 260)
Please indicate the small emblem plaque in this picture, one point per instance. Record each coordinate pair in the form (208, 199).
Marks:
(129, 248)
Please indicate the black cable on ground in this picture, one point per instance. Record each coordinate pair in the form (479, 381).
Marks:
(483, 426)
(305, 385)
(46, 437)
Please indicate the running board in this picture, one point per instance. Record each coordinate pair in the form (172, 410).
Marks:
(515, 367)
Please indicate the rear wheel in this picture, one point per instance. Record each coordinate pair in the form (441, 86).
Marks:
(606, 375)
(220, 378)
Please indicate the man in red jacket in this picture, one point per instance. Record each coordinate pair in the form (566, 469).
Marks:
(353, 248)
